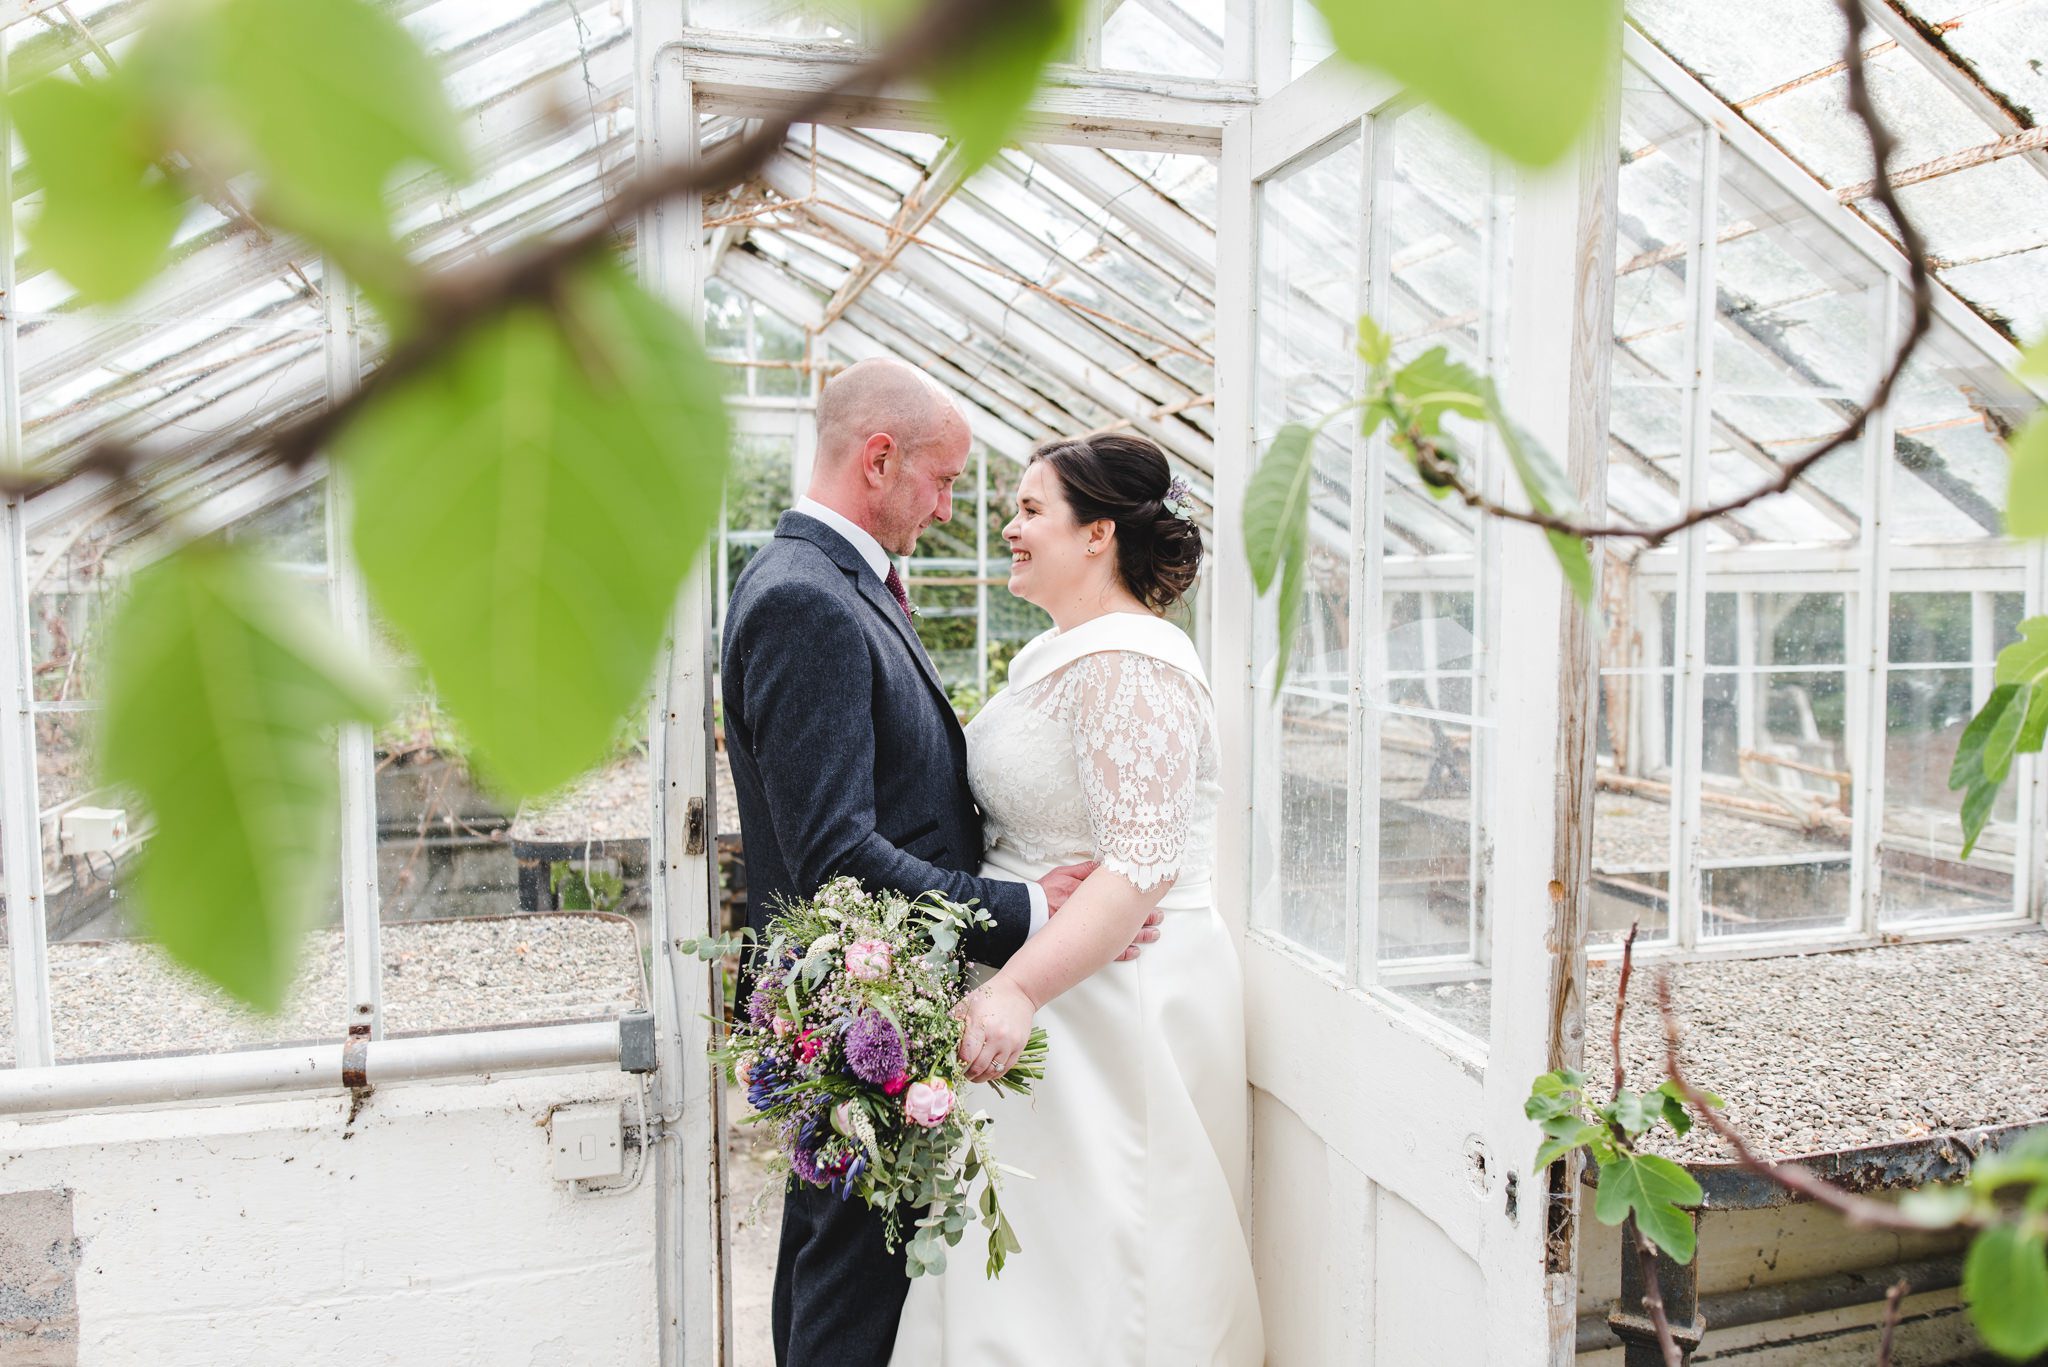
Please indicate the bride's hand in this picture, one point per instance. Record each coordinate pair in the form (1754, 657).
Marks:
(997, 1016)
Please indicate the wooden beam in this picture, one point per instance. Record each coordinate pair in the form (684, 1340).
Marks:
(1946, 68)
(1098, 109)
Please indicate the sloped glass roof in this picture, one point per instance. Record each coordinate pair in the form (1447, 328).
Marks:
(1961, 84)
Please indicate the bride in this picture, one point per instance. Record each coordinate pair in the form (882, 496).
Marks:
(1103, 747)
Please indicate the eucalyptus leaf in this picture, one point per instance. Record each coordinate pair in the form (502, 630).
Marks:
(527, 510)
(221, 709)
(1525, 76)
(1653, 1189)
(107, 215)
(2005, 1282)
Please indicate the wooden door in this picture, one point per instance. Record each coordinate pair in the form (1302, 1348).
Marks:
(1406, 847)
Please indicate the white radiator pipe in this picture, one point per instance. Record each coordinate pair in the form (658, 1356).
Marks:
(318, 1067)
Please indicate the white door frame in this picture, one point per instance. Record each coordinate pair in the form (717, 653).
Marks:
(1419, 1112)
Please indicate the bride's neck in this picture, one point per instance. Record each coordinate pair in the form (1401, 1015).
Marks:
(1068, 615)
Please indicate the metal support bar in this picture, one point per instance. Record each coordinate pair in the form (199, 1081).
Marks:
(320, 1067)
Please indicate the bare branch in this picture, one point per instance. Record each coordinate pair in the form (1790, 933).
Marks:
(1857, 1210)
(1891, 1321)
(1430, 463)
(1628, 957)
(1653, 1300)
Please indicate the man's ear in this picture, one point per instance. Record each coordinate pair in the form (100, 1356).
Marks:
(875, 457)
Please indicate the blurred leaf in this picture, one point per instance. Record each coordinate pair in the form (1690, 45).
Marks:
(1276, 529)
(326, 99)
(1935, 1207)
(2034, 360)
(985, 83)
(1525, 76)
(108, 214)
(1653, 1189)
(2026, 495)
(220, 711)
(1375, 344)
(526, 511)
(2005, 1282)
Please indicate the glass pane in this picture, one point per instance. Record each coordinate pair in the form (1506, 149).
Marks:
(113, 993)
(1920, 851)
(757, 491)
(1632, 831)
(1171, 37)
(1311, 36)
(498, 913)
(1775, 897)
(1931, 628)
(838, 20)
(1445, 236)
(1311, 225)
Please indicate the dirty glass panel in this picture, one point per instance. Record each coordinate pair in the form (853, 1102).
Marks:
(757, 491)
(1311, 223)
(1170, 37)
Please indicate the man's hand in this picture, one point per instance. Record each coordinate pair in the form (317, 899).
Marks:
(1060, 884)
(1147, 934)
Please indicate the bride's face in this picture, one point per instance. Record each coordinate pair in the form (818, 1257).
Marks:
(1050, 559)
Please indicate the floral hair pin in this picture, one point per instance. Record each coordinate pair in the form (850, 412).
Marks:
(1179, 500)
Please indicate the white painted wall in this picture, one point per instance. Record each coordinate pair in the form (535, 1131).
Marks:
(427, 1232)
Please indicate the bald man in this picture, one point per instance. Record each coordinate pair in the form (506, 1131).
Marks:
(847, 758)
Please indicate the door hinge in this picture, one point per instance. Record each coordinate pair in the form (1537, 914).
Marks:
(693, 827)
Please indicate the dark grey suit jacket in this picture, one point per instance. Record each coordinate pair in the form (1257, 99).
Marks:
(846, 753)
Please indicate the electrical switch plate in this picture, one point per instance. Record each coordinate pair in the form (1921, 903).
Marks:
(587, 1141)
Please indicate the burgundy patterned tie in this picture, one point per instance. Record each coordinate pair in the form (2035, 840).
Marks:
(895, 583)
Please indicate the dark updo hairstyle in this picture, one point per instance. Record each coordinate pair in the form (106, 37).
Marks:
(1115, 477)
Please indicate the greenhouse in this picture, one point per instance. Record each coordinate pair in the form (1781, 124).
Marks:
(482, 1127)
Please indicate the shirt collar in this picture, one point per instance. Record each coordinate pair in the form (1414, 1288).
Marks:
(856, 535)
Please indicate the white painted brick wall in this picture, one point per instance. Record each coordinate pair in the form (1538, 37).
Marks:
(429, 1233)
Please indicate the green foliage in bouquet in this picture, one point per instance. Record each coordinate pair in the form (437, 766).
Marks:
(849, 1048)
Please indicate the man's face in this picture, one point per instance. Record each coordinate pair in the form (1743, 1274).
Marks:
(919, 489)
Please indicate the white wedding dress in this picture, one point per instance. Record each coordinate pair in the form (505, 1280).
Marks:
(1134, 1254)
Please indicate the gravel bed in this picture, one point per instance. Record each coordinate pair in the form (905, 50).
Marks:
(612, 803)
(1818, 1053)
(120, 998)
(1634, 832)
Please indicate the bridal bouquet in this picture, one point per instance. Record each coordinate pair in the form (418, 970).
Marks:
(848, 1047)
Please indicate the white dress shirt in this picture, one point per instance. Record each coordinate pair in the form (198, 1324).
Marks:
(862, 540)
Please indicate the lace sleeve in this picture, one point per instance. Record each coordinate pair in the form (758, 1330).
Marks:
(1138, 727)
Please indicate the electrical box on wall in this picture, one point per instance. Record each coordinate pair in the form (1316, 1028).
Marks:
(92, 830)
(587, 1141)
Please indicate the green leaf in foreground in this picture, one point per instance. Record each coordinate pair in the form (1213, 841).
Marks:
(1653, 1189)
(2026, 495)
(327, 99)
(2013, 721)
(526, 511)
(2005, 1282)
(108, 214)
(985, 83)
(1276, 528)
(1523, 75)
(221, 706)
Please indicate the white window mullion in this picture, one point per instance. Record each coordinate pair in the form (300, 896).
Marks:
(21, 858)
(360, 917)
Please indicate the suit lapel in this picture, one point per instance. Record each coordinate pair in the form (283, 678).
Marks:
(795, 524)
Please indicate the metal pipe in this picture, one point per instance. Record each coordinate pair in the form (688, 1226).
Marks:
(1791, 1300)
(319, 1067)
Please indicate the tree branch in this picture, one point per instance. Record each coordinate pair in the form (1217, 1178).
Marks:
(454, 304)
(1434, 469)
(1891, 1321)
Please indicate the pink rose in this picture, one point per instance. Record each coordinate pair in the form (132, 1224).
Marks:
(743, 1071)
(867, 960)
(896, 1084)
(928, 1103)
(782, 1028)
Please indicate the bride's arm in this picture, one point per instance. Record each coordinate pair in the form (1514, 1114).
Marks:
(1138, 731)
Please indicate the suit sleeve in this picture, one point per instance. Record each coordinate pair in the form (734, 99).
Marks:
(808, 701)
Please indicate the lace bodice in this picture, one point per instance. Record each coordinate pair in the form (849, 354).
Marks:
(1111, 757)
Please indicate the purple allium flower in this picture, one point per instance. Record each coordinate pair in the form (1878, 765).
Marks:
(874, 1047)
(761, 1007)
